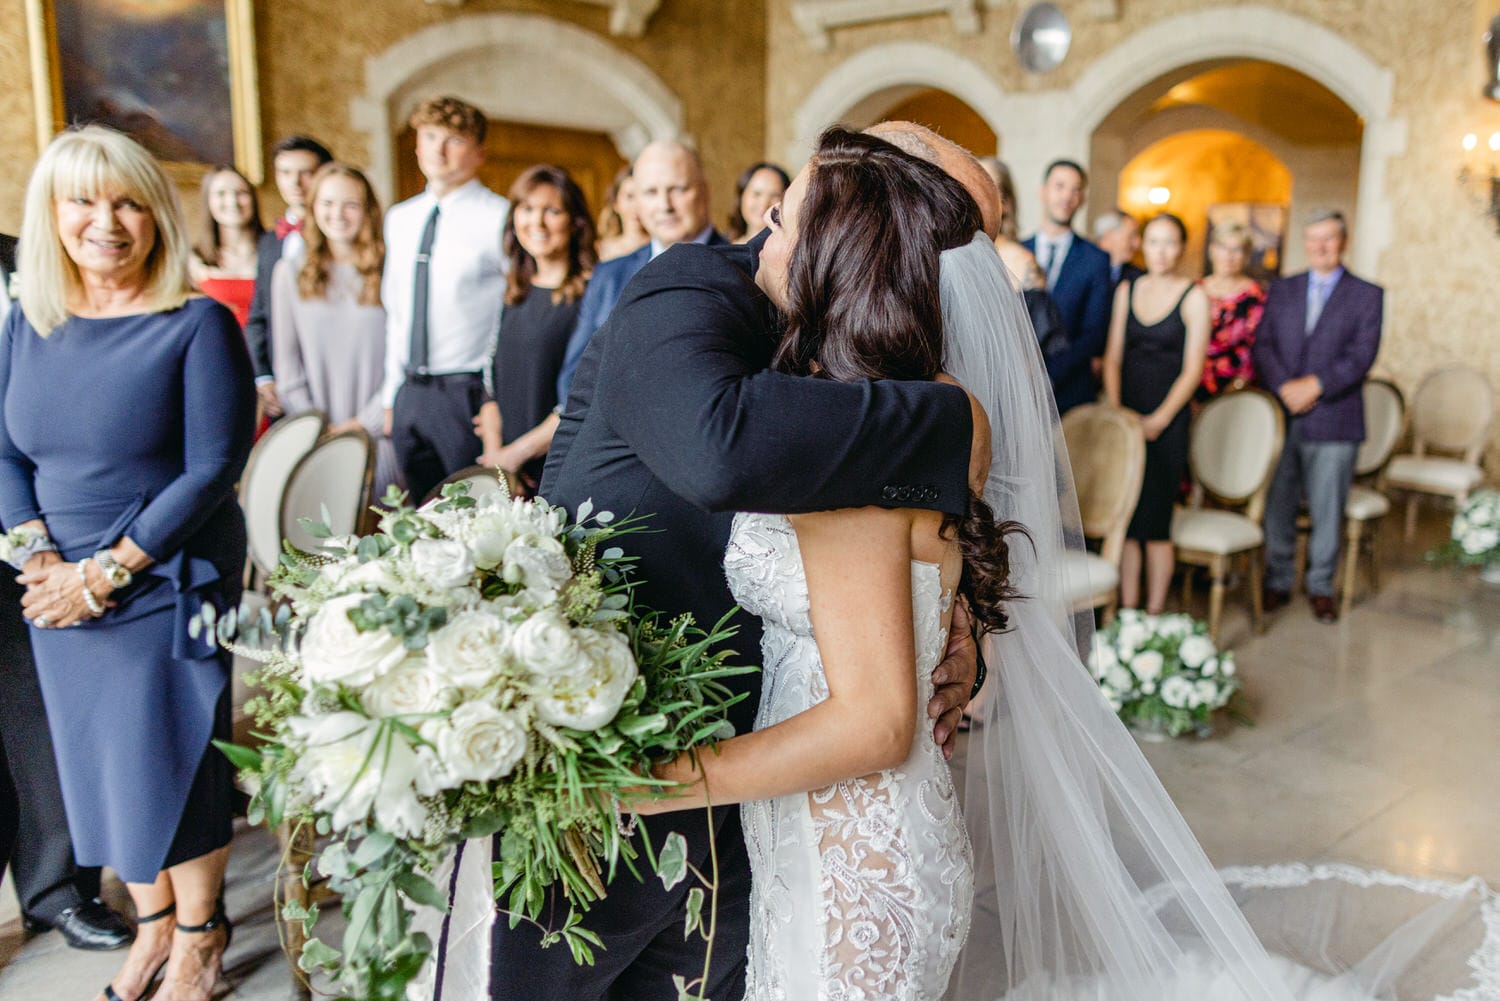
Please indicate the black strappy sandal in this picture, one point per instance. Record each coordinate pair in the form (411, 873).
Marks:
(219, 920)
(109, 988)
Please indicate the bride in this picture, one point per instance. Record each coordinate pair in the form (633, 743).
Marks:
(1069, 874)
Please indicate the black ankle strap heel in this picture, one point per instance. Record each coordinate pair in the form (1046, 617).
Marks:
(109, 989)
(219, 920)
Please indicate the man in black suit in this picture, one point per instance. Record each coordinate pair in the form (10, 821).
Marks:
(34, 841)
(294, 161)
(1078, 279)
(673, 413)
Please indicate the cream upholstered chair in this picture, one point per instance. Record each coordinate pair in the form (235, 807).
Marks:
(337, 475)
(482, 481)
(1108, 454)
(1233, 448)
(1385, 417)
(264, 481)
(1450, 413)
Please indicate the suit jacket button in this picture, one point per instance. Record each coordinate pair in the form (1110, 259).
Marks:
(904, 494)
(888, 493)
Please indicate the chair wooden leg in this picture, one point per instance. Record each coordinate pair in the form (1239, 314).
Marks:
(1257, 606)
(297, 848)
(1187, 587)
(1353, 535)
(1411, 517)
(1108, 614)
(1369, 542)
(1216, 597)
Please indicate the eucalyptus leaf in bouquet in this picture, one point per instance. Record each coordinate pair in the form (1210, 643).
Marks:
(1162, 672)
(475, 667)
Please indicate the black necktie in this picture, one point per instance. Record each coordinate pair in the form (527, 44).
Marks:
(417, 360)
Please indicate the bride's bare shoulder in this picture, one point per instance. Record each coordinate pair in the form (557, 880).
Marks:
(979, 447)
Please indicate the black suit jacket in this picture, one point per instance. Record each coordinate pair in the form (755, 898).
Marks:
(1082, 294)
(7, 256)
(258, 327)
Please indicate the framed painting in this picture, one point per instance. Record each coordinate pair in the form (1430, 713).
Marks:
(178, 76)
(1266, 223)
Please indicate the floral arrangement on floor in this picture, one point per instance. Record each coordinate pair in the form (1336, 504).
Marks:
(1475, 537)
(474, 667)
(1162, 673)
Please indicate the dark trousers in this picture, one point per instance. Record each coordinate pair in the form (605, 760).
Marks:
(34, 836)
(432, 428)
(641, 926)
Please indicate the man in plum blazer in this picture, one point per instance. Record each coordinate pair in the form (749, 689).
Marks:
(1315, 345)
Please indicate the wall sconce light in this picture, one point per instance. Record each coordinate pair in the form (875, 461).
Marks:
(1479, 175)
(1159, 196)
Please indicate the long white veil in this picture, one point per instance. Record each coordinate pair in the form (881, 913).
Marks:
(1089, 882)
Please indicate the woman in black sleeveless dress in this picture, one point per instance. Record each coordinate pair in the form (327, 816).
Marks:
(1153, 368)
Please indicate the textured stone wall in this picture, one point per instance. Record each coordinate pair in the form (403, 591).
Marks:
(1442, 268)
(312, 63)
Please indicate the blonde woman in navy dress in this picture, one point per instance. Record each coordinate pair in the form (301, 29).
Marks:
(126, 412)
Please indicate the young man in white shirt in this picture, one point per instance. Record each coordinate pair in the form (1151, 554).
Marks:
(443, 290)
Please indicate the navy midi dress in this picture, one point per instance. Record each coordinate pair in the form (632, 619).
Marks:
(135, 426)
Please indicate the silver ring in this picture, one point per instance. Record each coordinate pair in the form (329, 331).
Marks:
(42, 621)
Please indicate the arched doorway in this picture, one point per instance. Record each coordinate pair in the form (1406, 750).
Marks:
(914, 80)
(525, 71)
(1231, 132)
(1204, 173)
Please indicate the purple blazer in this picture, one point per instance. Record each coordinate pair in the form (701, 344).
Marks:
(1339, 351)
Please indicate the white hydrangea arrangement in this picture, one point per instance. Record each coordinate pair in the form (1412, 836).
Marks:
(1475, 537)
(1162, 672)
(474, 667)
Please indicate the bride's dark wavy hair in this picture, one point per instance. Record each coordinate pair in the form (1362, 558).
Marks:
(864, 303)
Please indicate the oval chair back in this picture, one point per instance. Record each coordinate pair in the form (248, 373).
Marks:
(1108, 454)
(1452, 412)
(1385, 419)
(264, 482)
(338, 475)
(1234, 446)
(482, 481)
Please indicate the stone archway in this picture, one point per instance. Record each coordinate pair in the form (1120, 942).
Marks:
(519, 67)
(882, 75)
(1274, 36)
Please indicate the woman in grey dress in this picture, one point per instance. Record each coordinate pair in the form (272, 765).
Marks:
(327, 324)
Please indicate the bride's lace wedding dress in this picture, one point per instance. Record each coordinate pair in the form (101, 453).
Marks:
(862, 890)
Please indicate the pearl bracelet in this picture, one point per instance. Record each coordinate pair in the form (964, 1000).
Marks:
(88, 596)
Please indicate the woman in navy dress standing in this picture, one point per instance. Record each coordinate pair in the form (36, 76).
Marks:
(126, 413)
(1153, 368)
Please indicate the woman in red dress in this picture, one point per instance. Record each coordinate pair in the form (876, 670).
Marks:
(1236, 302)
(223, 262)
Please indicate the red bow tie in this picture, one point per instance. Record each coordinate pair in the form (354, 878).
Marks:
(285, 227)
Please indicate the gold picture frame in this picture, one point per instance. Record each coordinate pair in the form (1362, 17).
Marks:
(50, 78)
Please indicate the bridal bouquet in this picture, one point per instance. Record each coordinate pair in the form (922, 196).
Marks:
(1162, 672)
(1475, 538)
(474, 667)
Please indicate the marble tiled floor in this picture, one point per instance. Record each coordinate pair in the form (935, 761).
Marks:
(1374, 744)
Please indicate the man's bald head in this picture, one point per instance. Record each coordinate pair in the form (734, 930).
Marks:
(955, 161)
(671, 192)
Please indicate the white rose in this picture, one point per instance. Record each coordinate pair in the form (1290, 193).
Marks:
(1147, 665)
(1132, 635)
(1177, 692)
(545, 644)
(336, 765)
(376, 575)
(1195, 651)
(442, 562)
(470, 649)
(480, 743)
(411, 688)
(1115, 702)
(1119, 680)
(488, 535)
(1480, 540)
(1174, 625)
(1226, 665)
(1101, 657)
(537, 562)
(333, 651)
(1207, 691)
(590, 697)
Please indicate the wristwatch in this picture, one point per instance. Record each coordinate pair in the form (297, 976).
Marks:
(114, 571)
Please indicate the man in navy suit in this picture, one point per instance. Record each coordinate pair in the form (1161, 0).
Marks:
(1315, 344)
(1078, 278)
(673, 200)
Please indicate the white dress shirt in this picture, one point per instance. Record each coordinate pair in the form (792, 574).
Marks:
(658, 248)
(1050, 252)
(465, 276)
